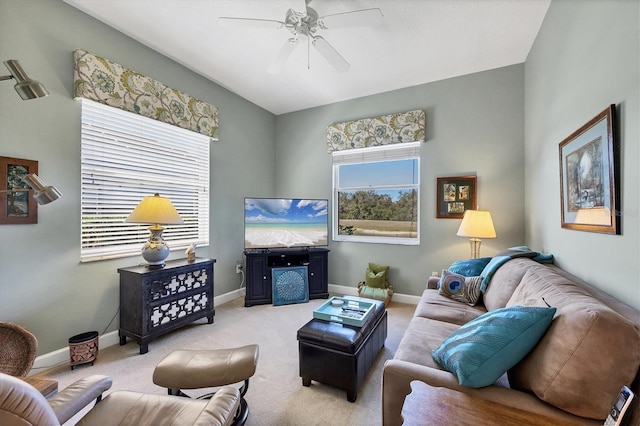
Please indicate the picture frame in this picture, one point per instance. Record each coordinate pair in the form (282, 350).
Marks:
(17, 208)
(589, 175)
(456, 195)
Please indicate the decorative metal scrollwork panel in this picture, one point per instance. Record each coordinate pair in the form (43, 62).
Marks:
(179, 283)
(171, 311)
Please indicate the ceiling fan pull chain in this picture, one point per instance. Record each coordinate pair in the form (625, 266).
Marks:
(308, 52)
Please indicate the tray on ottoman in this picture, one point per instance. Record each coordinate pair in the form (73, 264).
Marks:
(346, 310)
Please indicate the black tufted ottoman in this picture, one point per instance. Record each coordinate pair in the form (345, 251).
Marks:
(340, 355)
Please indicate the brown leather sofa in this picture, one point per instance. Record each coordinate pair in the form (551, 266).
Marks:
(574, 373)
(21, 404)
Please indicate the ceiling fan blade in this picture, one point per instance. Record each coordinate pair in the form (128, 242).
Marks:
(283, 56)
(229, 22)
(331, 54)
(356, 18)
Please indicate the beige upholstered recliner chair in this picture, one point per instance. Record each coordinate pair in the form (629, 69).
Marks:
(21, 404)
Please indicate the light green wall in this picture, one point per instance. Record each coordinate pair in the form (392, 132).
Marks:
(42, 284)
(474, 127)
(585, 58)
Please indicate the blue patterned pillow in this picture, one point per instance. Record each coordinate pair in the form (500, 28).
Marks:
(460, 288)
(483, 349)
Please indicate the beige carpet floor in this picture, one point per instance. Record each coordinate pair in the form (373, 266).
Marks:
(276, 395)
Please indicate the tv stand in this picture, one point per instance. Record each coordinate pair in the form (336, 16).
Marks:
(260, 262)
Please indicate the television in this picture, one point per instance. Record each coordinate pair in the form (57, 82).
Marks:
(285, 223)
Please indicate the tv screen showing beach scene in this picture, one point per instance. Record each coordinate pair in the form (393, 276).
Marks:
(285, 222)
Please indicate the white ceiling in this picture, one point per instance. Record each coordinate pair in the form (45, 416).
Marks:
(419, 41)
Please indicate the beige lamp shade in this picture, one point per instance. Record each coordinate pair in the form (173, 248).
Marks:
(476, 224)
(155, 210)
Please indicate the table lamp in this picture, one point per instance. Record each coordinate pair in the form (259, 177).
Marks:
(476, 224)
(157, 211)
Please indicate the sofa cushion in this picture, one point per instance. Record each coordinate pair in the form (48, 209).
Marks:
(481, 351)
(504, 282)
(421, 337)
(569, 368)
(469, 267)
(434, 306)
(460, 288)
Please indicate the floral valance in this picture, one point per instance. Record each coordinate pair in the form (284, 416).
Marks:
(388, 129)
(112, 84)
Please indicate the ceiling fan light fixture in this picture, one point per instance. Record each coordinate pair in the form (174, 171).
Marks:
(308, 23)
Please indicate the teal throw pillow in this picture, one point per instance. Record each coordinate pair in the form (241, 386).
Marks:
(469, 267)
(483, 349)
(460, 288)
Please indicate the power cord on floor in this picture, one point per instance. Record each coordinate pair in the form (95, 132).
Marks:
(243, 289)
(46, 367)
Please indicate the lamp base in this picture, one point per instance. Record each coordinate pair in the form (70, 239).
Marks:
(475, 247)
(155, 251)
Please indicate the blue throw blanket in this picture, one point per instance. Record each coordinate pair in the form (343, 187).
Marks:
(503, 257)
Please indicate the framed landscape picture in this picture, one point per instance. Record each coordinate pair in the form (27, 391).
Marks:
(455, 195)
(589, 175)
(17, 207)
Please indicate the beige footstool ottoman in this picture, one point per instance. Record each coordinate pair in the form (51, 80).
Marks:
(196, 369)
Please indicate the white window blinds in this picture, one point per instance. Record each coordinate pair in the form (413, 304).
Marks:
(126, 157)
(377, 153)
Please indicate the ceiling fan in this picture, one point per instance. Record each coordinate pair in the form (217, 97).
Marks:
(307, 24)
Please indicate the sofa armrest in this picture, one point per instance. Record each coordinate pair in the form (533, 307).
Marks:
(432, 283)
(70, 400)
(397, 376)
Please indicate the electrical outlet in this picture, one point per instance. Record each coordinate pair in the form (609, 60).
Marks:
(238, 268)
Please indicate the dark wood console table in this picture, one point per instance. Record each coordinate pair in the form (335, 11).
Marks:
(156, 301)
(260, 262)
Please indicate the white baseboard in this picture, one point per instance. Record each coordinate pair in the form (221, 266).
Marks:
(60, 356)
(353, 291)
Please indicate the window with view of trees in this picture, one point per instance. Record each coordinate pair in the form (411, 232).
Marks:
(376, 194)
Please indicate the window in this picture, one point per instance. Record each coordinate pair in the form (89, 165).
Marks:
(126, 157)
(376, 194)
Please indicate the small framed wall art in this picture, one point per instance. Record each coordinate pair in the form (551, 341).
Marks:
(455, 195)
(17, 207)
(589, 175)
